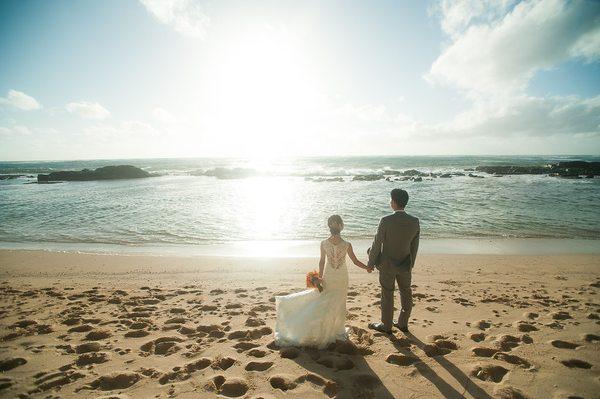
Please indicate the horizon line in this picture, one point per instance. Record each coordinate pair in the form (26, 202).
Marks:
(302, 156)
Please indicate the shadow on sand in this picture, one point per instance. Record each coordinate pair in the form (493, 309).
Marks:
(352, 374)
(358, 380)
(447, 390)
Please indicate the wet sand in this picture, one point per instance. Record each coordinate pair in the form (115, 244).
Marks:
(129, 326)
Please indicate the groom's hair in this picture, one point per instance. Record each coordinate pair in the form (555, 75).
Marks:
(400, 197)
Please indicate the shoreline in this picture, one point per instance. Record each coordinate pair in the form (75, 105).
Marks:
(40, 265)
(309, 248)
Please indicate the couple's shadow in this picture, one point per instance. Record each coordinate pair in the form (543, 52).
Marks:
(358, 380)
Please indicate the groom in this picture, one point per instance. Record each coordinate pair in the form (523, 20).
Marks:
(393, 253)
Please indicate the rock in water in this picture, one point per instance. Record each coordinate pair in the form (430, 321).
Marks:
(568, 169)
(104, 173)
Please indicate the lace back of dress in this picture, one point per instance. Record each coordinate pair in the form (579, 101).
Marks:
(336, 253)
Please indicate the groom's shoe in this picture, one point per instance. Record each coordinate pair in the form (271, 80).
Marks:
(379, 327)
(401, 328)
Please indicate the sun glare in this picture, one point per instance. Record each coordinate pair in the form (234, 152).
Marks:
(262, 91)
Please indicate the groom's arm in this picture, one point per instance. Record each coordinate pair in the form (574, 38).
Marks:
(414, 246)
(376, 246)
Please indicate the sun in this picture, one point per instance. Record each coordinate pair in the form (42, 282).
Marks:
(262, 94)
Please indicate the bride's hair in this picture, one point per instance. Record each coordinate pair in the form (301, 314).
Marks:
(335, 224)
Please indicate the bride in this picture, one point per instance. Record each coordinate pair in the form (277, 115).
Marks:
(313, 318)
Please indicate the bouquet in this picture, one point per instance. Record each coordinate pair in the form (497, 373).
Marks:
(313, 280)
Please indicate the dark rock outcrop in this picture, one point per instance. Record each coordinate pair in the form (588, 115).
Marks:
(567, 169)
(11, 177)
(104, 173)
(367, 177)
(514, 170)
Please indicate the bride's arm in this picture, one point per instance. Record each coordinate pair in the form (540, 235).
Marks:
(354, 259)
(322, 261)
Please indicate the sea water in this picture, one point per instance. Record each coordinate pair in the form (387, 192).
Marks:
(260, 202)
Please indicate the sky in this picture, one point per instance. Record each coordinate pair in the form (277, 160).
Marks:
(267, 79)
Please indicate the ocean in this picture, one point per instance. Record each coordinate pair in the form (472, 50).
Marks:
(269, 201)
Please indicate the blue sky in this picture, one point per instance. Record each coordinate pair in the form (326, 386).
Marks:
(120, 79)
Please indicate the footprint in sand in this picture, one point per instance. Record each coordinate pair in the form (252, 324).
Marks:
(244, 346)
(175, 320)
(512, 359)
(116, 380)
(523, 326)
(163, 346)
(557, 343)
(489, 372)
(507, 342)
(401, 360)
(434, 350)
(88, 347)
(81, 328)
(11, 363)
(289, 352)
(46, 381)
(92, 358)
(249, 335)
(97, 335)
(5, 382)
(258, 366)
(263, 308)
(71, 321)
(446, 344)
(576, 363)
(561, 316)
(329, 388)
(482, 351)
(257, 353)
(223, 363)
(254, 322)
(213, 330)
(591, 337)
(199, 364)
(136, 334)
(232, 387)
(508, 392)
(482, 324)
(336, 362)
(477, 337)
(283, 382)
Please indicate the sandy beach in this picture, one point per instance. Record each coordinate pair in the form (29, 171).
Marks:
(136, 326)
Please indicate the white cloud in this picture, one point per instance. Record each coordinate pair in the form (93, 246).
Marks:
(498, 54)
(185, 16)
(162, 115)
(124, 130)
(529, 116)
(20, 100)
(17, 130)
(495, 48)
(88, 110)
(456, 15)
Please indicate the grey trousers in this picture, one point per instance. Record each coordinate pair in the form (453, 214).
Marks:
(388, 277)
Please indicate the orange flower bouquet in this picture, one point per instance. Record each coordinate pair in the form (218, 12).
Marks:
(313, 280)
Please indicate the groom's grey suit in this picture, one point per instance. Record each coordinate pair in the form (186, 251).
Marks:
(393, 253)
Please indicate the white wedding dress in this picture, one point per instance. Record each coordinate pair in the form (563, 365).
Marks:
(313, 318)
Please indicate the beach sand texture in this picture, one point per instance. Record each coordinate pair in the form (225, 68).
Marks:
(100, 326)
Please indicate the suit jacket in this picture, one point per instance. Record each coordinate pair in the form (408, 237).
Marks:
(397, 237)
